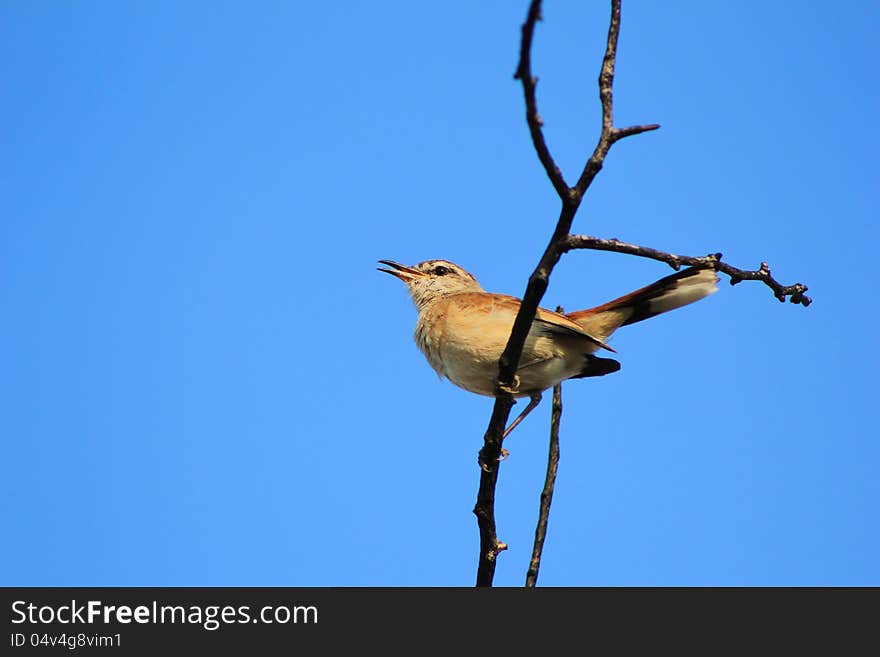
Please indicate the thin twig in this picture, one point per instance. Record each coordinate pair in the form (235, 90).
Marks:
(794, 293)
(529, 82)
(549, 485)
(538, 281)
(609, 133)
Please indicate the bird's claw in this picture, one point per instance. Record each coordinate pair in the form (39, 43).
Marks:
(485, 466)
(512, 389)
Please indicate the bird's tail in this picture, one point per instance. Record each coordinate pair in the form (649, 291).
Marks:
(667, 294)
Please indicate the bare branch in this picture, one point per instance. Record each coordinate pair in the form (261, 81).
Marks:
(529, 82)
(620, 133)
(609, 133)
(490, 456)
(539, 280)
(794, 293)
(562, 242)
(549, 484)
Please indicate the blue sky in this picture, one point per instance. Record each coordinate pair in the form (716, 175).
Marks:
(206, 382)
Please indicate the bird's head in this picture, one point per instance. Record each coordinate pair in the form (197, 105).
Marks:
(431, 279)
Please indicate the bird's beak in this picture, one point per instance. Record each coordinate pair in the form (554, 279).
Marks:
(402, 272)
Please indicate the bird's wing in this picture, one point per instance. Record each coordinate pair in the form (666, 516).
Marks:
(546, 322)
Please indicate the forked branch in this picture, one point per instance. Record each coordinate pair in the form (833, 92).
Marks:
(571, 197)
(561, 242)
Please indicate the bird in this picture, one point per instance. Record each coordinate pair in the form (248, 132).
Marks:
(462, 329)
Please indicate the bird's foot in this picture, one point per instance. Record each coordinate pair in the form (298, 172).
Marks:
(512, 389)
(484, 463)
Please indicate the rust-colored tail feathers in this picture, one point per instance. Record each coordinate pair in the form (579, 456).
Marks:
(667, 294)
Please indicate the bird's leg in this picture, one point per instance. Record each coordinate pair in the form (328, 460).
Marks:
(533, 403)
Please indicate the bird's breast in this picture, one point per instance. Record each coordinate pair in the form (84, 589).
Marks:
(463, 337)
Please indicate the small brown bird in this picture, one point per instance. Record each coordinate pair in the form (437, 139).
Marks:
(462, 329)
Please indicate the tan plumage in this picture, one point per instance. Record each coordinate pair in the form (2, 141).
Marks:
(463, 335)
(462, 329)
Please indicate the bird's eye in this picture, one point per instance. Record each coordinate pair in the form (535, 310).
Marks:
(440, 270)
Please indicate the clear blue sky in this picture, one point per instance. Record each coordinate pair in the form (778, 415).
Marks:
(206, 382)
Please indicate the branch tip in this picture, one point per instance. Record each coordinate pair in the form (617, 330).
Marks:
(619, 133)
(794, 293)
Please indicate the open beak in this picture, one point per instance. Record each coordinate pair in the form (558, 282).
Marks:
(402, 272)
